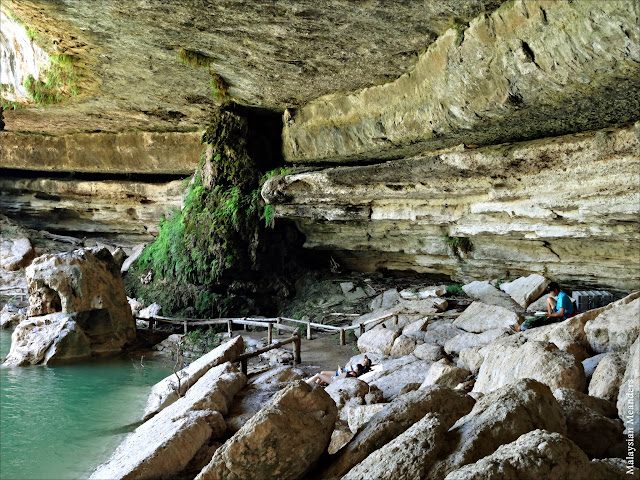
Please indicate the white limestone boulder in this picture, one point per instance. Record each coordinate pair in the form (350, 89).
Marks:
(399, 373)
(49, 339)
(164, 445)
(151, 311)
(419, 326)
(15, 253)
(429, 351)
(607, 377)
(82, 281)
(591, 363)
(490, 295)
(588, 425)
(445, 374)
(11, 316)
(440, 331)
(377, 340)
(393, 420)
(498, 418)
(402, 346)
(347, 392)
(514, 358)
(282, 441)
(165, 392)
(615, 329)
(525, 290)
(408, 456)
(358, 415)
(386, 299)
(480, 317)
(629, 394)
(471, 359)
(465, 340)
(534, 455)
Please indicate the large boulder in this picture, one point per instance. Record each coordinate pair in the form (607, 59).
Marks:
(440, 331)
(464, 340)
(377, 340)
(607, 377)
(498, 418)
(588, 426)
(15, 253)
(615, 329)
(398, 373)
(444, 373)
(525, 290)
(168, 390)
(429, 351)
(490, 295)
(480, 317)
(535, 455)
(358, 415)
(406, 457)
(629, 395)
(515, 358)
(471, 359)
(49, 339)
(259, 391)
(347, 392)
(402, 346)
(164, 445)
(11, 316)
(395, 419)
(85, 280)
(282, 441)
(591, 363)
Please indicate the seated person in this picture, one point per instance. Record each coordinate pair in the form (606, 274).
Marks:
(559, 308)
(326, 377)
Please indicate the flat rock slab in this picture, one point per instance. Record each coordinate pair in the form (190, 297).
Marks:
(525, 290)
(480, 317)
(164, 445)
(377, 340)
(281, 441)
(487, 293)
(396, 374)
(164, 392)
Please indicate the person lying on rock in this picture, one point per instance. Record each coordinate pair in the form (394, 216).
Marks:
(326, 377)
(559, 308)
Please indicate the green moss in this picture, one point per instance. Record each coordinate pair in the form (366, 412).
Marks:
(32, 33)
(459, 246)
(194, 59)
(216, 238)
(219, 87)
(456, 290)
(60, 81)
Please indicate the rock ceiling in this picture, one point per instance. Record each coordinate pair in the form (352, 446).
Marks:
(271, 54)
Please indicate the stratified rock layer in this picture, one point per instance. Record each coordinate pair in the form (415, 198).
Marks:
(531, 69)
(566, 207)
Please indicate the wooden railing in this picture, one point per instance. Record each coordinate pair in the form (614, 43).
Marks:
(295, 339)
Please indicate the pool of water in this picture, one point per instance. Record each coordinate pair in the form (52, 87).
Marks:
(61, 422)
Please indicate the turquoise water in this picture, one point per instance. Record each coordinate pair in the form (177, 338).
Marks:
(60, 423)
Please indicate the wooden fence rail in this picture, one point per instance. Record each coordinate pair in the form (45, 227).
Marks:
(295, 339)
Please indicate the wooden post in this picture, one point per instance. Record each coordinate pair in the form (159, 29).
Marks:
(343, 339)
(308, 329)
(185, 327)
(230, 327)
(361, 328)
(269, 334)
(296, 345)
(395, 320)
(278, 326)
(243, 362)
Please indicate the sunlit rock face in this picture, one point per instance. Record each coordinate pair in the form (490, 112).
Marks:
(531, 69)
(565, 207)
(270, 54)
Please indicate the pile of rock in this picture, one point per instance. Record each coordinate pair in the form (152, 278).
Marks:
(77, 309)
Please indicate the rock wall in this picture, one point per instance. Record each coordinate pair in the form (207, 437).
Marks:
(90, 207)
(565, 207)
(175, 153)
(531, 69)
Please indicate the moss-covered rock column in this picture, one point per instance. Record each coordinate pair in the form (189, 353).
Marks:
(220, 254)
